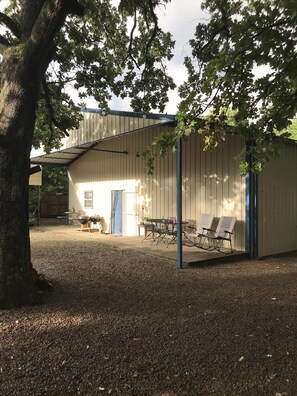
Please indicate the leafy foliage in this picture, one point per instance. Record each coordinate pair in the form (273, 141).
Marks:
(98, 56)
(292, 130)
(56, 115)
(53, 178)
(149, 159)
(244, 59)
(159, 149)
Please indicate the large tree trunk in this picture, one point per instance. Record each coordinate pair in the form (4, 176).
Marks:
(18, 103)
(22, 70)
(16, 284)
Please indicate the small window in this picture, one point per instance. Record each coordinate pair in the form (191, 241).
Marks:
(88, 200)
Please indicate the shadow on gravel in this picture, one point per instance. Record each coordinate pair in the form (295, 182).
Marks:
(122, 323)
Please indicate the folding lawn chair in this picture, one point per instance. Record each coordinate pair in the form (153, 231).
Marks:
(223, 232)
(197, 235)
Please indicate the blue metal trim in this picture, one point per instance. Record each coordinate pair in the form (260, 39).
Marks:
(179, 204)
(249, 204)
(251, 208)
(165, 117)
(68, 177)
(248, 194)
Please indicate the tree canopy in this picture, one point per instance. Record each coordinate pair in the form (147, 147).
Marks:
(99, 51)
(244, 58)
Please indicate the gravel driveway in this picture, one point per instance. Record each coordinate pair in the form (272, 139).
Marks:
(119, 322)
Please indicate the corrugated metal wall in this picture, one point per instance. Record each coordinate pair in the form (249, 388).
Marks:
(277, 189)
(96, 126)
(211, 181)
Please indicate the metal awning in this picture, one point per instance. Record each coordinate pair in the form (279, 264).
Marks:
(66, 156)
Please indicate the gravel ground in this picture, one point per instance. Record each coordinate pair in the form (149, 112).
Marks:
(123, 323)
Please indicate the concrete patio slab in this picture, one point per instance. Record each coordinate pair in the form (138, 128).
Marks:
(192, 256)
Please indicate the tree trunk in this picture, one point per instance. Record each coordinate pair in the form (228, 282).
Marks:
(23, 67)
(18, 101)
(16, 283)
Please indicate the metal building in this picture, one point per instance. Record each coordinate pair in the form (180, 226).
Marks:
(107, 178)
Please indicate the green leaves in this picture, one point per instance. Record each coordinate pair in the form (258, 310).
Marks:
(107, 58)
(244, 59)
(110, 50)
(149, 160)
(53, 178)
(162, 143)
(56, 115)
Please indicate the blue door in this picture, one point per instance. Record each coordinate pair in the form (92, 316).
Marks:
(117, 198)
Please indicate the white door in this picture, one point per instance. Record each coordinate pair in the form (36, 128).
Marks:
(130, 217)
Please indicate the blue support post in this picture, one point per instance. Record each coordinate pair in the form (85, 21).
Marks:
(255, 217)
(179, 204)
(248, 211)
(249, 204)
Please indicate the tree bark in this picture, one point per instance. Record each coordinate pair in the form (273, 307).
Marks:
(22, 70)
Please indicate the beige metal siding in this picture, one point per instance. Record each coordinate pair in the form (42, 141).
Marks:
(211, 181)
(35, 179)
(278, 204)
(96, 126)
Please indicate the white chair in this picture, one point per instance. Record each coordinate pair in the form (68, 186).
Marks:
(223, 232)
(199, 233)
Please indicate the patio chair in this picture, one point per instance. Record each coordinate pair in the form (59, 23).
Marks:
(197, 235)
(148, 230)
(223, 232)
(171, 235)
(160, 231)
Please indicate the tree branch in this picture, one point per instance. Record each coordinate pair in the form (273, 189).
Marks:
(148, 59)
(75, 8)
(4, 41)
(49, 22)
(52, 120)
(11, 25)
(129, 55)
(156, 27)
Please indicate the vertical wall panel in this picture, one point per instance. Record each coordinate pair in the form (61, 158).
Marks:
(278, 204)
(217, 186)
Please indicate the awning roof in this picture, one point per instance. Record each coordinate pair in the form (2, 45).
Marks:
(67, 156)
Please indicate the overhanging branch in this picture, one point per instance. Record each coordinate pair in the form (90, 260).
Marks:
(52, 119)
(4, 41)
(156, 26)
(76, 8)
(131, 41)
(51, 18)
(10, 24)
